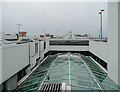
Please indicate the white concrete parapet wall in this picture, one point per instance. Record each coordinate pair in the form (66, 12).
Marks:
(99, 49)
(68, 48)
(63, 47)
(14, 59)
(34, 53)
(110, 51)
(41, 49)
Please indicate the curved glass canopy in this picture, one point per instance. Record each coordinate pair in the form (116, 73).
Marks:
(76, 71)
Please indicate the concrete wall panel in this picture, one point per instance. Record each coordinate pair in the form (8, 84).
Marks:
(14, 59)
(100, 49)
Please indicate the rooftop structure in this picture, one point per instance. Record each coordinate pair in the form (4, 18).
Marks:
(70, 36)
(90, 64)
(85, 68)
(73, 71)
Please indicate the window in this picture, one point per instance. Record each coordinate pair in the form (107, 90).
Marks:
(44, 45)
(36, 48)
(100, 61)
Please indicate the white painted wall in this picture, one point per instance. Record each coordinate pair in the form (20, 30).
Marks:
(68, 48)
(0, 65)
(11, 36)
(33, 55)
(14, 58)
(110, 51)
(41, 47)
(63, 47)
(113, 40)
(119, 43)
(100, 49)
(0, 38)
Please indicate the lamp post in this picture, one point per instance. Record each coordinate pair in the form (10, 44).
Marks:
(44, 32)
(101, 22)
(57, 33)
(18, 27)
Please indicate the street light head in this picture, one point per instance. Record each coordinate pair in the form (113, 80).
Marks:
(102, 10)
(99, 12)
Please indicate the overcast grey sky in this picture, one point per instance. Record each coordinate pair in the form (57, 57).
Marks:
(80, 17)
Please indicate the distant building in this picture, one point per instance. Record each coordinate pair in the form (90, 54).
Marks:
(22, 34)
(78, 35)
(9, 37)
(47, 35)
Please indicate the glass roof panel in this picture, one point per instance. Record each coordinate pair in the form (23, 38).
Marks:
(75, 70)
(83, 83)
(75, 87)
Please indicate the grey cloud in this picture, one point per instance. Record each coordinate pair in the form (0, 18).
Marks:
(78, 17)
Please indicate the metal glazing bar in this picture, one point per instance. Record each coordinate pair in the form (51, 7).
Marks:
(57, 70)
(91, 74)
(38, 74)
(29, 85)
(83, 86)
(47, 74)
(31, 90)
(102, 73)
(71, 79)
(22, 82)
(83, 80)
(56, 79)
(33, 79)
(108, 86)
(99, 73)
(80, 71)
(69, 72)
(109, 82)
(80, 75)
(58, 74)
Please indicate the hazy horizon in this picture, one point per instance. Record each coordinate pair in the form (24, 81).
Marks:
(81, 17)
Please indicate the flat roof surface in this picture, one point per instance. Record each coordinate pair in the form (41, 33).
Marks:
(76, 71)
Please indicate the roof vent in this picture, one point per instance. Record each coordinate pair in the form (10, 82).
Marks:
(55, 87)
